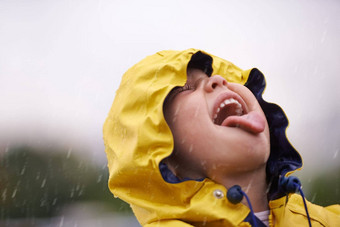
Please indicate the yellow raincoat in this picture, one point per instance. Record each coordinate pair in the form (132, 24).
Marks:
(137, 139)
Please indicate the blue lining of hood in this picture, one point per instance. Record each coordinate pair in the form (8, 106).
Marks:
(283, 156)
(169, 177)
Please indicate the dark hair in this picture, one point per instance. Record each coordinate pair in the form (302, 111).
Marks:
(201, 61)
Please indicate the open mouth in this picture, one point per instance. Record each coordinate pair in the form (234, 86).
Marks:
(228, 107)
(230, 110)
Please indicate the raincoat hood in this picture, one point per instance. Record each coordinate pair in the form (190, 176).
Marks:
(137, 138)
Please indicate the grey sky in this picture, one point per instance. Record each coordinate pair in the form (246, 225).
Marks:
(61, 62)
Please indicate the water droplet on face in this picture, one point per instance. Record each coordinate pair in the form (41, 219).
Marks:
(191, 148)
(265, 158)
(197, 111)
(177, 109)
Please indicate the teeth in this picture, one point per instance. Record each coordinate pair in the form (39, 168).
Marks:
(238, 111)
(228, 101)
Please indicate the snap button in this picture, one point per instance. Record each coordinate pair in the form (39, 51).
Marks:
(218, 194)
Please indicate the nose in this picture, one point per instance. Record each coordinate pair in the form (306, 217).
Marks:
(214, 82)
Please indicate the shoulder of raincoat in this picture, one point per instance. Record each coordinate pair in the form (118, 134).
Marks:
(137, 139)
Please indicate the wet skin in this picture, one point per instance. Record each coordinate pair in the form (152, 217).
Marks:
(203, 148)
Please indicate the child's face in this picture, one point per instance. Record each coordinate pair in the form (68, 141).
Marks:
(218, 128)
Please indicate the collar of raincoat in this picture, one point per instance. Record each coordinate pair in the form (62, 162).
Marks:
(137, 139)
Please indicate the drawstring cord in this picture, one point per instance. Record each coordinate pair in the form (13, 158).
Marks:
(289, 184)
(235, 195)
(292, 185)
(304, 203)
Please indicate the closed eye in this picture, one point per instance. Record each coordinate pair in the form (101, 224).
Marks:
(185, 88)
(175, 91)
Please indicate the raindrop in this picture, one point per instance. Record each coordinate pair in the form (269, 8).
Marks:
(54, 201)
(183, 141)
(81, 192)
(269, 186)
(43, 203)
(4, 195)
(38, 176)
(14, 192)
(265, 158)
(43, 183)
(249, 185)
(23, 170)
(99, 178)
(61, 221)
(313, 198)
(197, 111)
(69, 153)
(177, 110)
(336, 154)
(191, 148)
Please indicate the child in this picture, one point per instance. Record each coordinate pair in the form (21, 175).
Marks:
(191, 142)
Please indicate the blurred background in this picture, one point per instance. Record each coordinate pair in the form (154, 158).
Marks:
(61, 63)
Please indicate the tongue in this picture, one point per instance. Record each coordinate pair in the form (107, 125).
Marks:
(252, 122)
